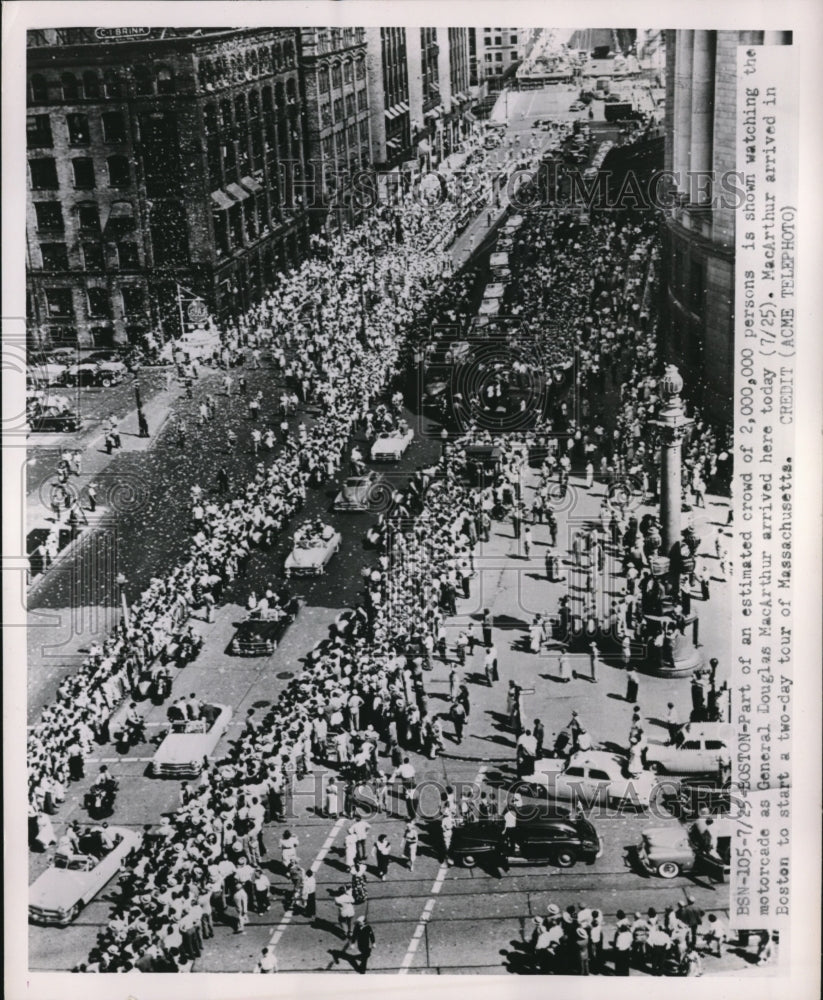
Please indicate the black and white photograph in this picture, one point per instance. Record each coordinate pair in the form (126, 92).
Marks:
(410, 555)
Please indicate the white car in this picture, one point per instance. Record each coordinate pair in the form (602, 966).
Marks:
(311, 559)
(390, 445)
(699, 748)
(73, 880)
(181, 753)
(592, 777)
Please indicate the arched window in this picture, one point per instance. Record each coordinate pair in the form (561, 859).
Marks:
(288, 52)
(240, 111)
(265, 60)
(267, 100)
(165, 80)
(111, 82)
(237, 68)
(38, 89)
(70, 87)
(142, 81)
(336, 76)
(277, 57)
(291, 91)
(225, 114)
(254, 104)
(91, 85)
(210, 119)
(360, 68)
(279, 95)
(347, 71)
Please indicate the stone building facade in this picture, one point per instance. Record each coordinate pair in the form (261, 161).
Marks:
(699, 233)
(174, 158)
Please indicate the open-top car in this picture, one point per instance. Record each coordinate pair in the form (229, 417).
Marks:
(73, 880)
(181, 753)
(592, 777)
(391, 445)
(260, 633)
(360, 492)
(53, 418)
(699, 748)
(551, 837)
(314, 546)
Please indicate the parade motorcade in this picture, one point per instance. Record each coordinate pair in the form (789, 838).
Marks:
(358, 492)
(678, 849)
(592, 777)
(551, 837)
(263, 629)
(73, 880)
(699, 748)
(181, 753)
(314, 545)
(391, 445)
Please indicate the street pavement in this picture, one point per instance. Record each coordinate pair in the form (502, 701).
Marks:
(434, 920)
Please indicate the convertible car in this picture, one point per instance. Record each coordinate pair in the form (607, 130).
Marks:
(181, 753)
(390, 445)
(73, 880)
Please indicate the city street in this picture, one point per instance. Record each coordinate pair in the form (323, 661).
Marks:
(441, 917)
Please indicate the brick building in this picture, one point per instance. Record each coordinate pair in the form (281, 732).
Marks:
(699, 234)
(498, 51)
(177, 156)
(333, 61)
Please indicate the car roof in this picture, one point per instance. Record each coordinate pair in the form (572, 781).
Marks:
(713, 729)
(595, 758)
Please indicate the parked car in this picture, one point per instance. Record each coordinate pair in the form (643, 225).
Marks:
(669, 851)
(181, 753)
(549, 838)
(359, 492)
(73, 880)
(391, 445)
(592, 777)
(97, 373)
(53, 418)
(699, 748)
(47, 373)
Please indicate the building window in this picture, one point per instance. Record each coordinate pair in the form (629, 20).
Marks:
(323, 81)
(347, 72)
(112, 84)
(39, 89)
(38, 131)
(498, 57)
(165, 80)
(338, 109)
(89, 218)
(336, 76)
(93, 258)
(83, 173)
(55, 257)
(114, 128)
(58, 302)
(70, 87)
(43, 174)
(127, 256)
(487, 40)
(78, 126)
(49, 216)
(91, 85)
(362, 99)
(142, 81)
(513, 39)
(360, 69)
(119, 173)
(133, 300)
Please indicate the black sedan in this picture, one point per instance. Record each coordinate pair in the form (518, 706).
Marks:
(556, 839)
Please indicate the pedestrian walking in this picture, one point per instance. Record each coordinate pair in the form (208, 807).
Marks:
(382, 855)
(632, 686)
(364, 939)
(458, 717)
(241, 904)
(91, 492)
(309, 900)
(345, 911)
(267, 962)
(672, 722)
(411, 839)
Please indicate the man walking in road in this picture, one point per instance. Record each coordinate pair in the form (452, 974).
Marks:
(458, 717)
(364, 939)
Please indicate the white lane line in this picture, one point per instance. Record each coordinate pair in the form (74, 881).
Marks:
(284, 923)
(425, 916)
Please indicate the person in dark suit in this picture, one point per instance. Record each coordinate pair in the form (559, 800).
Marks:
(364, 939)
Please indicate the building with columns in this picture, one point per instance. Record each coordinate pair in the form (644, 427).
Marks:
(158, 158)
(699, 234)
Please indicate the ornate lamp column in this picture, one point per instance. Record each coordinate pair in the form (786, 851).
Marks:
(672, 421)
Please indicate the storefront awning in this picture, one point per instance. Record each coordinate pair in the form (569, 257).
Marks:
(391, 112)
(392, 143)
(237, 192)
(221, 200)
(434, 113)
(250, 184)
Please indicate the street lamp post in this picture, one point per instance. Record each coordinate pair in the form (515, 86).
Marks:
(672, 422)
(121, 586)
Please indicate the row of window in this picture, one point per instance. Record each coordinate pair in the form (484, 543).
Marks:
(124, 256)
(341, 73)
(341, 109)
(39, 129)
(226, 69)
(90, 86)
(50, 215)
(498, 57)
(60, 302)
(498, 40)
(44, 177)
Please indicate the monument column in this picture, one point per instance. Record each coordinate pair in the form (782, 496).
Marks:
(672, 422)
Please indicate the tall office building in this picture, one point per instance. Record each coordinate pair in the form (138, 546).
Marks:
(159, 158)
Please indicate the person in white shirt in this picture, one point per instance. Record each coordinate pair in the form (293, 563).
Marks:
(267, 961)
